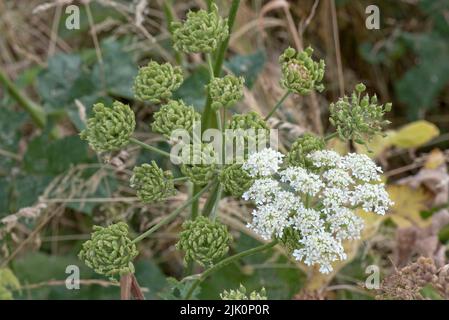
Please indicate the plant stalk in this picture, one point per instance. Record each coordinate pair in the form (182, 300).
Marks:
(278, 104)
(225, 262)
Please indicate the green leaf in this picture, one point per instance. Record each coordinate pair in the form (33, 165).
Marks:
(421, 84)
(54, 157)
(10, 124)
(248, 66)
(193, 91)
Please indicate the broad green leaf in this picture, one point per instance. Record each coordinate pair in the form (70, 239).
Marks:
(193, 90)
(248, 66)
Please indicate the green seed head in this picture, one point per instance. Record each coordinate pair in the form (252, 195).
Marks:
(175, 115)
(240, 294)
(199, 163)
(152, 183)
(156, 82)
(358, 118)
(226, 91)
(110, 128)
(308, 143)
(235, 180)
(109, 251)
(201, 32)
(300, 73)
(204, 241)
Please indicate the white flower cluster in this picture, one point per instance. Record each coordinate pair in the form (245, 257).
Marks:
(317, 202)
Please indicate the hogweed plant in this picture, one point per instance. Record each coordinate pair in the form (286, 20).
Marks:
(305, 200)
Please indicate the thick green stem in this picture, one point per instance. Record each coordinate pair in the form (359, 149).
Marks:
(148, 147)
(214, 211)
(171, 216)
(210, 202)
(227, 261)
(209, 119)
(170, 17)
(278, 104)
(35, 111)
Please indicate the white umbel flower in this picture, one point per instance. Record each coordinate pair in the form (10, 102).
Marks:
(362, 167)
(307, 221)
(344, 224)
(262, 191)
(319, 205)
(320, 248)
(337, 178)
(325, 159)
(272, 218)
(263, 163)
(372, 198)
(301, 180)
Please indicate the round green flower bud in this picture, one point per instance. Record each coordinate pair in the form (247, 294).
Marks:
(235, 180)
(109, 251)
(175, 115)
(201, 32)
(308, 143)
(358, 118)
(240, 294)
(152, 183)
(110, 128)
(249, 129)
(204, 240)
(200, 163)
(156, 82)
(300, 74)
(226, 91)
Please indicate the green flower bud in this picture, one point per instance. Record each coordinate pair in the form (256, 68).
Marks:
(110, 128)
(151, 183)
(109, 251)
(200, 164)
(290, 239)
(175, 115)
(235, 180)
(201, 32)
(300, 74)
(204, 240)
(249, 129)
(156, 82)
(240, 294)
(226, 91)
(358, 118)
(308, 143)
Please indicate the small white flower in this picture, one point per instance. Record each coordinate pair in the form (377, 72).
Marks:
(263, 163)
(325, 159)
(334, 198)
(337, 178)
(271, 219)
(301, 180)
(262, 191)
(344, 224)
(372, 198)
(362, 167)
(307, 221)
(320, 248)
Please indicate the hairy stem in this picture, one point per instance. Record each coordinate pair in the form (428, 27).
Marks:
(225, 262)
(278, 104)
(171, 216)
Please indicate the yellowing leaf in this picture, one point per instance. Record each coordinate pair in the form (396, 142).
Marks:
(415, 134)
(377, 145)
(436, 158)
(408, 203)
